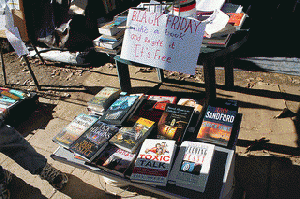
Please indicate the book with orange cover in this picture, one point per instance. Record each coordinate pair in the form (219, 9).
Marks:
(236, 18)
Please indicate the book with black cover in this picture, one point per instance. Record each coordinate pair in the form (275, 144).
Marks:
(154, 161)
(118, 112)
(218, 122)
(192, 165)
(130, 138)
(74, 130)
(93, 141)
(115, 160)
(174, 122)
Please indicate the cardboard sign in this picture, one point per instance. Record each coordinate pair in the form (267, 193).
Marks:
(165, 41)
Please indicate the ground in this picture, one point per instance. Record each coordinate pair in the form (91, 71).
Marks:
(69, 76)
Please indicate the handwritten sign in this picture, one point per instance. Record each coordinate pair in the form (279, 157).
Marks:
(165, 41)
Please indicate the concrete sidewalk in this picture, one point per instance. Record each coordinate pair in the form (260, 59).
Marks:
(270, 173)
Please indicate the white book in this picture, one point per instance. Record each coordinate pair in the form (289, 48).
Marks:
(192, 165)
(154, 161)
(209, 5)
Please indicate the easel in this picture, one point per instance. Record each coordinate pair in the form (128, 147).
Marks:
(20, 23)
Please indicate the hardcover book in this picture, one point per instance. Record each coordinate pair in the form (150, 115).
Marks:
(162, 101)
(154, 161)
(174, 122)
(130, 138)
(147, 111)
(74, 130)
(93, 141)
(107, 44)
(115, 160)
(114, 51)
(118, 112)
(113, 27)
(192, 165)
(218, 122)
(103, 99)
(192, 103)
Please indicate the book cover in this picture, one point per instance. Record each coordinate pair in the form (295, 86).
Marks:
(192, 103)
(74, 130)
(119, 110)
(218, 122)
(113, 27)
(103, 99)
(129, 138)
(147, 111)
(174, 122)
(154, 161)
(115, 160)
(236, 18)
(93, 141)
(162, 101)
(192, 165)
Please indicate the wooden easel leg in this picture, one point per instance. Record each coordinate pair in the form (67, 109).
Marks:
(31, 72)
(3, 66)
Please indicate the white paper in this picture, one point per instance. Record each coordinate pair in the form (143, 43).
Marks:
(218, 21)
(164, 41)
(209, 5)
(2, 22)
(15, 40)
(13, 4)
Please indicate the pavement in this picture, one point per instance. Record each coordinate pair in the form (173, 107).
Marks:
(271, 170)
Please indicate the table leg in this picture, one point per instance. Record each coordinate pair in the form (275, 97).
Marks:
(160, 74)
(124, 76)
(210, 79)
(3, 66)
(229, 76)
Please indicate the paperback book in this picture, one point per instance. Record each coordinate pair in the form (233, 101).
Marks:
(118, 112)
(115, 160)
(192, 165)
(174, 122)
(114, 51)
(218, 122)
(103, 99)
(74, 130)
(154, 161)
(192, 103)
(107, 44)
(113, 27)
(130, 138)
(93, 141)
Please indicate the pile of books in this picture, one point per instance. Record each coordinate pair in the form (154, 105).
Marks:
(221, 38)
(153, 139)
(112, 33)
(13, 102)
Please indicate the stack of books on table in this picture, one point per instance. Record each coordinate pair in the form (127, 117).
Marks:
(111, 38)
(222, 37)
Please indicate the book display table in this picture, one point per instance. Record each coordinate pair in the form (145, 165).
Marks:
(219, 185)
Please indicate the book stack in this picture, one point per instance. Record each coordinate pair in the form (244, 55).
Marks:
(221, 38)
(111, 38)
(102, 100)
(13, 102)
